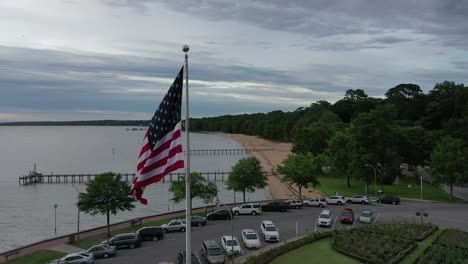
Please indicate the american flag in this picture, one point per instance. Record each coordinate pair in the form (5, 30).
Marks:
(161, 152)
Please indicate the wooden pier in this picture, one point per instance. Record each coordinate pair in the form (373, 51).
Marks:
(35, 177)
(226, 151)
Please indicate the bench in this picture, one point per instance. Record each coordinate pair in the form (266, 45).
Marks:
(11, 253)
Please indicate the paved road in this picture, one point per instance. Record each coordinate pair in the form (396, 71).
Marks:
(165, 251)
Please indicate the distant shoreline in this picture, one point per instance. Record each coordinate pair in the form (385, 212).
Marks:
(136, 123)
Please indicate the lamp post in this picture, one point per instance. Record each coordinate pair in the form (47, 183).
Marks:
(78, 222)
(375, 178)
(55, 222)
(232, 227)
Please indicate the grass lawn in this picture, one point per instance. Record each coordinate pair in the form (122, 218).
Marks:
(85, 243)
(419, 251)
(331, 185)
(320, 252)
(41, 256)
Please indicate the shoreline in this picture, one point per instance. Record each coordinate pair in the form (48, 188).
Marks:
(269, 160)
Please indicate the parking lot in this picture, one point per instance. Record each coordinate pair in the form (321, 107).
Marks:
(290, 224)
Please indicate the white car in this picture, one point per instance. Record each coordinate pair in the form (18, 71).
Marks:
(294, 203)
(362, 199)
(250, 209)
(231, 245)
(366, 217)
(339, 200)
(269, 231)
(319, 202)
(75, 258)
(251, 239)
(325, 218)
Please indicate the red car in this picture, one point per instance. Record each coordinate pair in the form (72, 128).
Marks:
(347, 216)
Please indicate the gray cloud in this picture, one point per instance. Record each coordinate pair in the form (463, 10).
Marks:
(444, 20)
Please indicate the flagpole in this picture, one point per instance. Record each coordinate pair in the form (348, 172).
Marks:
(188, 197)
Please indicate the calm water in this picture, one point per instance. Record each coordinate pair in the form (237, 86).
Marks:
(27, 212)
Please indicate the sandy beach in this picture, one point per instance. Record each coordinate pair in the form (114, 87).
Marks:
(269, 160)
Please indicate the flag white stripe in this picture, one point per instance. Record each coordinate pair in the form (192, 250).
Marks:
(158, 170)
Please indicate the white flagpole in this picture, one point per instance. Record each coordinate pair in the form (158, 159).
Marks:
(188, 197)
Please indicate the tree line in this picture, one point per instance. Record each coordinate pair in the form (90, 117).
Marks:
(407, 126)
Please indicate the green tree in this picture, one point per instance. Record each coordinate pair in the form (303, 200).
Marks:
(200, 188)
(302, 170)
(246, 176)
(106, 194)
(449, 162)
(340, 155)
(409, 100)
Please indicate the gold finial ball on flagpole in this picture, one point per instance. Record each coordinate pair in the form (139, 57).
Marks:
(185, 48)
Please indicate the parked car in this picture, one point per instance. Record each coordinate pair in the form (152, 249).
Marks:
(366, 217)
(390, 199)
(197, 220)
(231, 245)
(176, 225)
(75, 258)
(362, 199)
(275, 206)
(347, 216)
(101, 251)
(221, 214)
(269, 231)
(325, 218)
(339, 200)
(294, 204)
(130, 240)
(251, 239)
(250, 208)
(212, 252)
(151, 233)
(320, 202)
(181, 258)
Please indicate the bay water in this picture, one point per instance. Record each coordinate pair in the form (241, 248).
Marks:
(27, 213)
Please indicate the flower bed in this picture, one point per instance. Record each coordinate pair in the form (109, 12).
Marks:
(371, 247)
(441, 254)
(270, 254)
(415, 232)
(453, 237)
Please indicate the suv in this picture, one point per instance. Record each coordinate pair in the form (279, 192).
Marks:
(391, 199)
(294, 203)
(212, 252)
(250, 208)
(151, 233)
(320, 202)
(130, 240)
(362, 199)
(275, 206)
(269, 231)
(325, 218)
(174, 225)
(347, 216)
(221, 214)
(339, 200)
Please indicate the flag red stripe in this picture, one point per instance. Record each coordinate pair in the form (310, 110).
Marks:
(177, 165)
(163, 161)
(177, 134)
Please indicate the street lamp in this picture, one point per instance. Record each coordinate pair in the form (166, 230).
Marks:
(232, 227)
(55, 225)
(375, 178)
(78, 222)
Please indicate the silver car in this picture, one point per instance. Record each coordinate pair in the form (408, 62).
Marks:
(75, 258)
(366, 217)
(101, 251)
(336, 199)
(362, 199)
(174, 225)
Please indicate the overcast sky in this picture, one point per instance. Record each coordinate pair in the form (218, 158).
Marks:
(115, 59)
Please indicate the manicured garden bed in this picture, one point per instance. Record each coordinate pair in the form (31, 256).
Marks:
(453, 237)
(415, 232)
(371, 247)
(442, 254)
